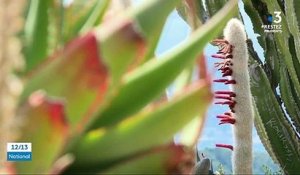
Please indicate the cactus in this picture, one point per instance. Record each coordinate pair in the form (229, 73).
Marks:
(234, 64)
(277, 119)
(276, 112)
(89, 103)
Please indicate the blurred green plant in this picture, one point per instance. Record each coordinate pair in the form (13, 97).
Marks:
(89, 103)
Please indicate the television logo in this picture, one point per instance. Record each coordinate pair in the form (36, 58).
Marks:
(19, 151)
(277, 15)
(275, 18)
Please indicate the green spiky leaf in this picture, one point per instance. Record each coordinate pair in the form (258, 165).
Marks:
(36, 33)
(148, 81)
(132, 36)
(126, 139)
(168, 159)
(76, 74)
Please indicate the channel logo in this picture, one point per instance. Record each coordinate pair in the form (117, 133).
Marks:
(273, 23)
(19, 151)
(270, 18)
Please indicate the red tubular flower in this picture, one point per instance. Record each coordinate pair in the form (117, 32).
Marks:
(225, 146)
(233, 64)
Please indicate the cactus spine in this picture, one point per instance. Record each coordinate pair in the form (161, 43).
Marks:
(234, 68)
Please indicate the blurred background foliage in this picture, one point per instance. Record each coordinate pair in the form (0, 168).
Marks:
(94, 96)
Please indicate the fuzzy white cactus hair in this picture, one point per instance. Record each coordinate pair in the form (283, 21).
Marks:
(234, 68)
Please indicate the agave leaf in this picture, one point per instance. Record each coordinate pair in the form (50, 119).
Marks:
(152, 22)
(132, 36)
(36, 33)
(190, 134)
(168, 159)
(284, 141)
(192, 12)
(43, 123)
(149, 80)
(77, 74)
(143, 131)
(91, 17)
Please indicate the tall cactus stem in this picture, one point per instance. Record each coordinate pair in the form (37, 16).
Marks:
(234, 66)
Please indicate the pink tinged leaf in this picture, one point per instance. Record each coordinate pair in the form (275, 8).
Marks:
(92, 76)
(92, 72)
(76, 74)
(7, 168)
(123, 46)
(53, 109)
(181, 161)
(165, 159)
(44, 125)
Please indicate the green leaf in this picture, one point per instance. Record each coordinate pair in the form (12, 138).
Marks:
(76, 74)
(190, 134)
(283, 139)
(149, 80)
(132, 36)
(162, 160)
(192, 12)
(91, 17)
(151, 19)
(36, 33)
(44, 125)
(143, 131)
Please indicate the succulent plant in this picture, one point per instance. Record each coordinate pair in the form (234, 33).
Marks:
(90, 99)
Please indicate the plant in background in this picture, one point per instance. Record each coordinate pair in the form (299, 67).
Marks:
(89, 103)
